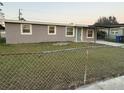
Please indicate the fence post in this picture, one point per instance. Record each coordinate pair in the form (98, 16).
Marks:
(85, 67)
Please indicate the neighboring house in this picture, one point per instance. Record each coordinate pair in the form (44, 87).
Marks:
(2, 26)
(116, 32)
(2, 31)
(35, 32)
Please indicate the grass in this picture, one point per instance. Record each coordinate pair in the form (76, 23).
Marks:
(21, 48)
(59, 70)
(105, 63)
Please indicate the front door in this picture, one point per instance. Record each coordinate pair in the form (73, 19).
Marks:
(78, 34)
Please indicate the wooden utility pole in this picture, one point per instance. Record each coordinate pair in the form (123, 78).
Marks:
(19, 14)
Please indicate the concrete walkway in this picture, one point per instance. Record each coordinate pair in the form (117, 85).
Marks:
(109, 43)
(112, 84)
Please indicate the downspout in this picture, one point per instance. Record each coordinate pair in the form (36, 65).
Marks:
(95, 35)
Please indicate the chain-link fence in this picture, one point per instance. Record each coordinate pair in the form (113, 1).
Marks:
(104, 63)
(60, 69)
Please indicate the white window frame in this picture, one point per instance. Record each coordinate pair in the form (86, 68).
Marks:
(114, 32)
(21, 27)
(54, 31)
(69, 35)
(92, 34)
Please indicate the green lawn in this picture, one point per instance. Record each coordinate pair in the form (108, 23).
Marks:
(57, 70)
(38, 47)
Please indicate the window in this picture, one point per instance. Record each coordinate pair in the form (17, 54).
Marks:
(116, 33)
(51, 30)
(70, 32)
(90, 33)
(26, 29)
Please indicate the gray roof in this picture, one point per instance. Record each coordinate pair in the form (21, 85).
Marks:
(44, 23)
(108, 26)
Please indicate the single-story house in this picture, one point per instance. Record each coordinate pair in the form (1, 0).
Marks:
(35, 32)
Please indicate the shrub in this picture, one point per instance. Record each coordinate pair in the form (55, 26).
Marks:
(2, 40)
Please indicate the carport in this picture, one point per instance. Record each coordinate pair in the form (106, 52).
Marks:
(104, 32)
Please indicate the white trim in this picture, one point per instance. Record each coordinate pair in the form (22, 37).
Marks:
(54, 31)
(26, 33)
(66, 32)
(92, 34)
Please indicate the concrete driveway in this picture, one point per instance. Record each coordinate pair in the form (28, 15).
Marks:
(112, 84)
(110, 43)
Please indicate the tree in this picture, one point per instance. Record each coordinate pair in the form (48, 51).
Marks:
(106, 21)
(1, 4)
(1, 14)
(23, 19)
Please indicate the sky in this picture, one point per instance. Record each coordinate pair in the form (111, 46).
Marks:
(64, 12)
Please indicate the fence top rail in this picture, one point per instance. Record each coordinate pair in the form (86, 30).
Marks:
(53, 51)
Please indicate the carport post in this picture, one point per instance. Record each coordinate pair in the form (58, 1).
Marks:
(95, 35)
